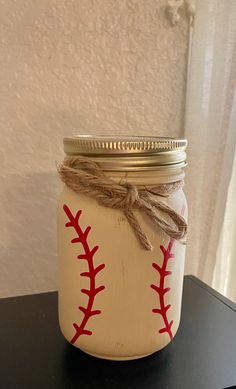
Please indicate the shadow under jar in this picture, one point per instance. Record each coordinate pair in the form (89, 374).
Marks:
(119, 294)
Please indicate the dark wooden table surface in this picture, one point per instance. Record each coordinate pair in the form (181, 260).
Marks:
(33, 353)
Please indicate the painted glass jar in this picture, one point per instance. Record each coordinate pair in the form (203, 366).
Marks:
(118, 299)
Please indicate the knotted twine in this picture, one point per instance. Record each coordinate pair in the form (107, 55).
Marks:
(83, 175)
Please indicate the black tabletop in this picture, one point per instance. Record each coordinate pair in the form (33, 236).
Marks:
(33, 353)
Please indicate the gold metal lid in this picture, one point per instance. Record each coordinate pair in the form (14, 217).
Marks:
(131, 153)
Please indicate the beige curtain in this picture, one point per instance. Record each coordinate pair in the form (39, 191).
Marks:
(225, 270)
(211, 131)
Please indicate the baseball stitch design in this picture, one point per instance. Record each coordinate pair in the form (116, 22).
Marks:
(88, 255)
(161, 289)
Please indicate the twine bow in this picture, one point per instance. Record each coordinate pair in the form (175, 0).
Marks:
(83, 175)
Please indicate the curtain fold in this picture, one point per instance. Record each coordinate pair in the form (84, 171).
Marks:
(210, 128)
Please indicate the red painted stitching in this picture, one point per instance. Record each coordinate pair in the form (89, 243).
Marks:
(161, 289)
(88, 256)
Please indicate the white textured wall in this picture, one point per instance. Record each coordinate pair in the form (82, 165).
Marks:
(72, 67)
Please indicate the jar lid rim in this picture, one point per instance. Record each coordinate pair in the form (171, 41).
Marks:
(128, 152)
(96, 144)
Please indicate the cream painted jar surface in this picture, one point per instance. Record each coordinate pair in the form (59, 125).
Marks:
(117, 300)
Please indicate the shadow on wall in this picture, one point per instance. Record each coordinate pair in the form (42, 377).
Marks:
(28, 242)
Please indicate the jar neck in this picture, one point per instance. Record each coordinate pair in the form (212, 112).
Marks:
(147, 177)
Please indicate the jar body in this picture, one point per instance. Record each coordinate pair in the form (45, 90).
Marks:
(116, 300)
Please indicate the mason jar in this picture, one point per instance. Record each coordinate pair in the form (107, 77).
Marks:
(120, 299)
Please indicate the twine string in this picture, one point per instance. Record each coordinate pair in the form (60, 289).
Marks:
(83, 175)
